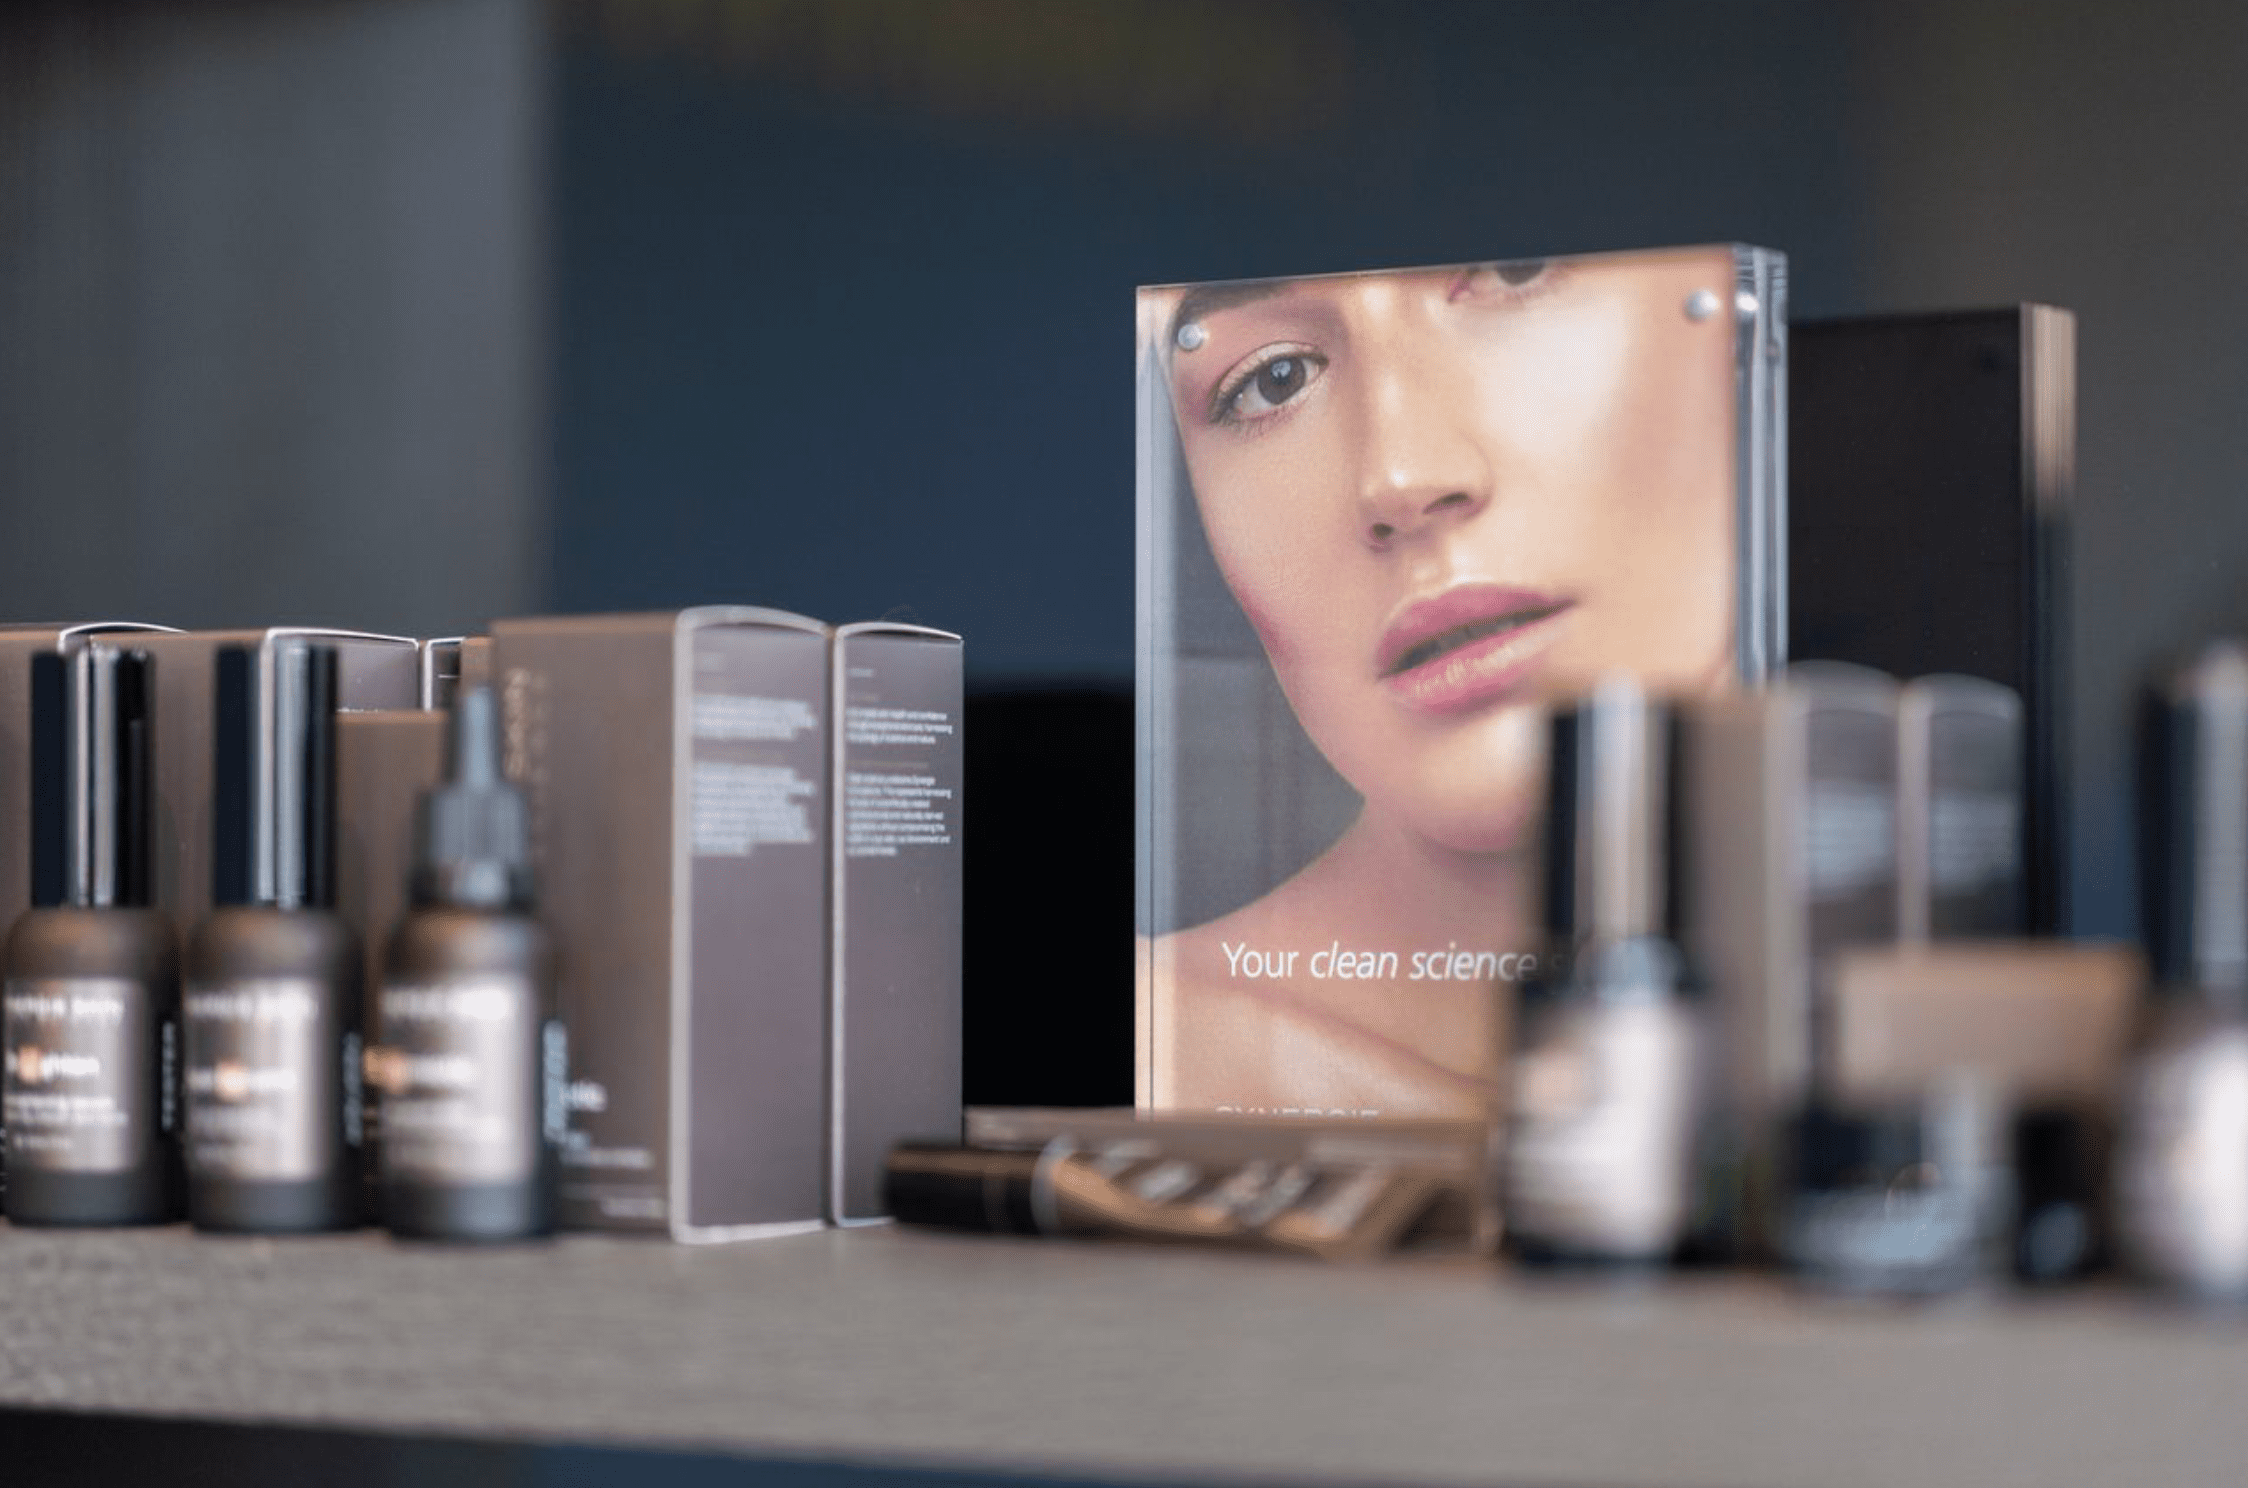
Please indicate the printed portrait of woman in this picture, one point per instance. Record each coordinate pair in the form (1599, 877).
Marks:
(1437, 499)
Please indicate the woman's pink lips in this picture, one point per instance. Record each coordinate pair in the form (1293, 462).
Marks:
(1482, 668)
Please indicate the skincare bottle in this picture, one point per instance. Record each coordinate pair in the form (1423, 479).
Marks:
(1910, 1193)
(471, 1067)
(1962, 847)
(92, 1000)
(1600, 1148)
(2182, 1159)
(273, 976)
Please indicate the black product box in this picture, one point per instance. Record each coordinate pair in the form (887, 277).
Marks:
(677, 770)
(894, 1010)
(1932, 466)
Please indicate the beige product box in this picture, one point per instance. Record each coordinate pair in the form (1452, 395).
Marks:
(372, 672)
(677, 767)
(18, 644)
(1960, 823)
(894, 965)
(2040, 1021)
(1793, 795)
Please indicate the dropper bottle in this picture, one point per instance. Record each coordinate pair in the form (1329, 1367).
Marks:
(92, 999)
(470, 1063)
(273, 976)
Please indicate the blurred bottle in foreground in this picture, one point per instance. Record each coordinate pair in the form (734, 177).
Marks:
(2182, 1171)
(1607, 1078)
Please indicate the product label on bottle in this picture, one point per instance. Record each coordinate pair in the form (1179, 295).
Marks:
(460, 1064)
(2183, 1193)
(269, 1077)
(82, 1074)
(1600, 1146)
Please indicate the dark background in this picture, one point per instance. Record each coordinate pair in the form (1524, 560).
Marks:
(406, 313)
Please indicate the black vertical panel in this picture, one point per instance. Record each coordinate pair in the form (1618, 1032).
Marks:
(232, 729)
(49, 768)
(1916, 539)
(317, 805)
(136, 765)
(1046, 852)
(1561, 847)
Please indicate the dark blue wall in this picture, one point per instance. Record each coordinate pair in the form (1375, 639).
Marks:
(844, 315)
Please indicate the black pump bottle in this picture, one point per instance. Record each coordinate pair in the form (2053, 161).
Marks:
(92, 1000)
(470, 1065)
(273, 976)
(1606, 1094)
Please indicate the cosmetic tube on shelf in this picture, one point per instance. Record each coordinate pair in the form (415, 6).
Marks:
(1456, 1154)
(1133, 1189)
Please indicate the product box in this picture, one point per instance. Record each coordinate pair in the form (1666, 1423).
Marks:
(18, 644)
(372, 672)
(440, 671)
(894, 1009)
(1794, 793)
(677, 767)
(1959, 809)
(1384, 518)
(1933, 460)
(451, 665)
(2044, 1022)
(385, 760)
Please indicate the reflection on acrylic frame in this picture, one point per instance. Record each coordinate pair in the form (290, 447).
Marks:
(1382, 517)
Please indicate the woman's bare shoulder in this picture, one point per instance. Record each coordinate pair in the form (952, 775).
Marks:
(1230, 1023)
(1209, 1044)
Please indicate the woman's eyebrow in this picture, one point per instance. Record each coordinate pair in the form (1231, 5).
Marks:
(1207, 299)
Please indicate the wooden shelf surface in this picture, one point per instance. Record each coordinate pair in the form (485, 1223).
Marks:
(1116, 1362)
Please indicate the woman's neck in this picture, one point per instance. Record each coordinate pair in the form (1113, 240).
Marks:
(1380, 874)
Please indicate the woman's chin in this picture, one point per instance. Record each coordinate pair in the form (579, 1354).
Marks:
(1479, 834)
(1495, 815)
(1474, 789)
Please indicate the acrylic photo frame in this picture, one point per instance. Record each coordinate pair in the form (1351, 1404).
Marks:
(1382, 517)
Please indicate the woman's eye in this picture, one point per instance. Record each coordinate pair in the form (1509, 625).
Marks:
(1510, 280)
(1265, 385)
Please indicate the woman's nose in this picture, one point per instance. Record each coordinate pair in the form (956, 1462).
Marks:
(1424, 460)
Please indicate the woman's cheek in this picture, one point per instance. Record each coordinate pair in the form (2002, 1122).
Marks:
(1283, 540)
(1551, 389)
(1287, 608)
